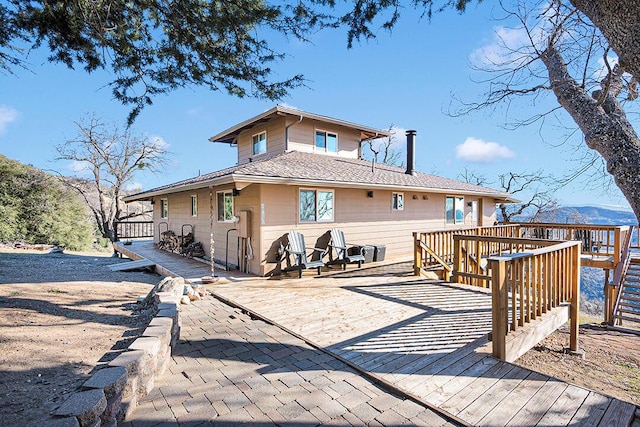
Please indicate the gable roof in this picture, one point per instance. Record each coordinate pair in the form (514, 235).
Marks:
(230, 135)
(308, 169)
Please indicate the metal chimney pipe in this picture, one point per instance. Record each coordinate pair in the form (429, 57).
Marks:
(411, 152)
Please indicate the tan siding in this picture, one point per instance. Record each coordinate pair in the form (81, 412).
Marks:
(248, 200)
(275, 140)
(302, 137)
(364, 220)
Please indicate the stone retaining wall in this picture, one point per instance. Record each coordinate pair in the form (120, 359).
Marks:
(112, 392)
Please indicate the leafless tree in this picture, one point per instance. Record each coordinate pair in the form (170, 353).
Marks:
(537, 192)
(559, 52)
(472, 177)
(534, 189)
(110, 157)
(389, 148)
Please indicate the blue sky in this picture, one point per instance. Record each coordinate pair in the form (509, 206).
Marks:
(407, 78)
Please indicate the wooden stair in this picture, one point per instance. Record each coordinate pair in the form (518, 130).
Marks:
(628, 306)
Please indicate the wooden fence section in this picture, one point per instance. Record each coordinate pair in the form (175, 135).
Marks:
(133, 230)
(597, 240)
(436, 248)
(530, 284)
(471, 252)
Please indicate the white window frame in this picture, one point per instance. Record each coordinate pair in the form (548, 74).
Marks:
(326, 134)
(474, 211)
(224, 211)
(164, 208)
(253, 146)
(194, 205)
(395, 197)
(317, 200)
(458, 206)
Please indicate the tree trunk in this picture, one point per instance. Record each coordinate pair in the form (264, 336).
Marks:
(619, 21)
(604, 125)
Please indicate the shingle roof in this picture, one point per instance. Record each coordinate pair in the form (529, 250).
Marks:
(318, 169)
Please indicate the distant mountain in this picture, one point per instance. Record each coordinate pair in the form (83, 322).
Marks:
(584, 215)
(592, 279)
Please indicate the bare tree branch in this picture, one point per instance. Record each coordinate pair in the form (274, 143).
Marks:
(112, 157)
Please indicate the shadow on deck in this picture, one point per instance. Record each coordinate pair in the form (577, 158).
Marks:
(423, 338)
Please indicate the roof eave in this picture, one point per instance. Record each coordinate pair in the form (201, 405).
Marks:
(499, 197)
(228, 136)
(222, 180)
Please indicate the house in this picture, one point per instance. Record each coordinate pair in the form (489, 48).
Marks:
(303, 171)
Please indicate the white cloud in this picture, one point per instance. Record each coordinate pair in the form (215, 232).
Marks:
(134, 187)
(159, 141)
(602, 70)
(479, 151)
(7, 115)
(501, 49)
(81, 169)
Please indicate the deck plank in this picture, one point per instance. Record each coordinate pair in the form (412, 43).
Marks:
(566, 407)
(445, 391)
(539, 404)
(515, 401)
(493, 396)
(132, 265)
(469, 394)
(591, 411)
(618, 413)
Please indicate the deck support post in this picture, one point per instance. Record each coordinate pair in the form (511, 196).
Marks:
(500, 308)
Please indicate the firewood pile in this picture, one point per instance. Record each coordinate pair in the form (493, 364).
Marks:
(185, 245)
(169, 241)
(193, 249)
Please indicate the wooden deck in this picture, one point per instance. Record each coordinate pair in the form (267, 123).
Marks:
(424, 338)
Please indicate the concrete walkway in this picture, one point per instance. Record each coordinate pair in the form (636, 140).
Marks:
(229, 369)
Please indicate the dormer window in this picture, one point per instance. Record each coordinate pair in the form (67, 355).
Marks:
(326, 141)
(260, 143)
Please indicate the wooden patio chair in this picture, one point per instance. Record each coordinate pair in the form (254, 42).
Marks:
(302, 260)
(340, 246)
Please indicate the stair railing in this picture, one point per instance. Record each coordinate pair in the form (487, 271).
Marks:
(621, 272)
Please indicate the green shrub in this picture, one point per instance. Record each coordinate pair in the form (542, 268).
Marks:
(36, 207)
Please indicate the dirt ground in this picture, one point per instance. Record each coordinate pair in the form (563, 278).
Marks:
(611, 364)
(61, 316)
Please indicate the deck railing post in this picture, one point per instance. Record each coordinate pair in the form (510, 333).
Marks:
(617, 245)
(575, 297)
(457, 259)
(499, 307)
(417, 254)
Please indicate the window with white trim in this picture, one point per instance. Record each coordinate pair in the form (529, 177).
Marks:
(260, 143)
(194, 205)
(454, 209)
(326, 141)
(225, 206)
(164, 208)
(316, 205)
(397, 201)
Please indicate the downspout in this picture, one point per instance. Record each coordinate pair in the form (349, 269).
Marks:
(286, 133)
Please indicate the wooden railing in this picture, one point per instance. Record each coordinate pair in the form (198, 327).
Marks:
(604, 243)
(133, 230)
(613, 290)
(597, 240)
(436, 248)
(526, 285)
(471, 252)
